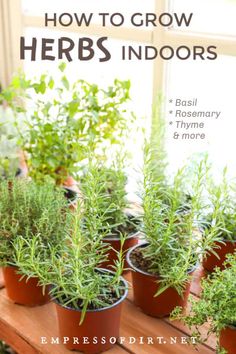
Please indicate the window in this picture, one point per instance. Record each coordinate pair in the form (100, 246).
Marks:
(211, 82)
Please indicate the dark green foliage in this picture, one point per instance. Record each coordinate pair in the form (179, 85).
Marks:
(28, 210)
(72, 265)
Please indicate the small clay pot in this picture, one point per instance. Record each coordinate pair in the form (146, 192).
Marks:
(228, 339)
(23, 292)
(115, 243)
(100, 328)
(211, 261)
(145, 286)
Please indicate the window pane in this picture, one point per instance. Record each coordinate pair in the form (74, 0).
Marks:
(210, 16)
(138, 72)
(127, 8)
(213, 84)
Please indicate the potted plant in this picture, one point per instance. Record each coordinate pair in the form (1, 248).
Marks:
(87, 298)
(12, 163)
(216, 307)
(67, 119)
(162, 265)
(118, 215)
(27, 209)
(220, 222)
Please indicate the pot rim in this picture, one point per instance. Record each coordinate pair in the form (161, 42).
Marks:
(103, 308)
(145, 243)
(10, 266)
(223, 240)
(230, 326)
(24, 276)
(116, 238)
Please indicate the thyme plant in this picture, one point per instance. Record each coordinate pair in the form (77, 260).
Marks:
(28, 210)
(217, 305)
(72, 270)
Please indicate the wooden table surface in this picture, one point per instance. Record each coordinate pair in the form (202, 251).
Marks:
(22, 328)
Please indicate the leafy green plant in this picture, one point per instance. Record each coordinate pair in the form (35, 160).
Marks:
(72, 269)
(217, 305)
(170, 228)
(221, 209)
(157, 157)
(115, 205)
(28, 210)
(64, 120)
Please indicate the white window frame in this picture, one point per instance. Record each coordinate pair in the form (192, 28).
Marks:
(12, 23)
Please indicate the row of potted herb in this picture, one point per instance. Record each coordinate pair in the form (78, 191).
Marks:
(49, 251)
(162, 265)
(173, 244)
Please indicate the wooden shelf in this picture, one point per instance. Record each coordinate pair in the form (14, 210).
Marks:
(22, 328)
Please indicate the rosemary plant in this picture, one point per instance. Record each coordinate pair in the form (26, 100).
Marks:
(219, 223)
(170, 226)
(72, 269)
(28, 210)
(217, 305)
(115, 205)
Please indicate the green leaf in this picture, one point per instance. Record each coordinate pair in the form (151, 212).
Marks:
(65, 82)
(73, 108)
(51, 83)
(40, 88)
(62, 67)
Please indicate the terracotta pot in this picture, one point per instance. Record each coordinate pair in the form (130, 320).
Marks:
(115, 243)
(23, 292)
(102, 324)
(228, 339)
(22, 171)
(211, 261)
(2, 284)
(145, 287)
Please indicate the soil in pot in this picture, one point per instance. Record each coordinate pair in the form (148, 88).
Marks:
(23, 292)
(211, 261)
(99, 330)
(145, 286)
(228, 339)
